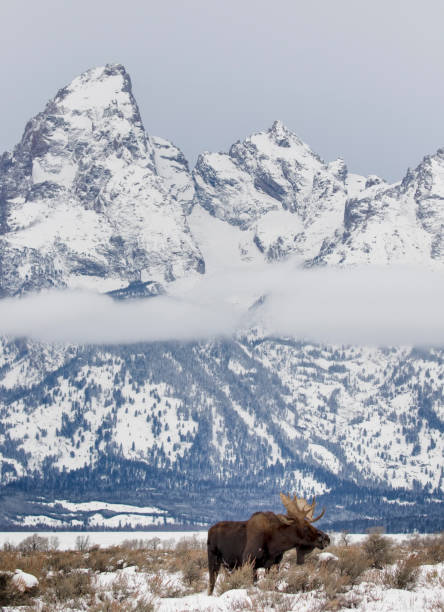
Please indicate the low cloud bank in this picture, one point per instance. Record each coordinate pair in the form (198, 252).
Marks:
(367, 306)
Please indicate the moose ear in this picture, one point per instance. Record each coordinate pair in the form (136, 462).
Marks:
(284, 519)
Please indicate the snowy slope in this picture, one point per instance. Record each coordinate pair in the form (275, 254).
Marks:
(256, 413)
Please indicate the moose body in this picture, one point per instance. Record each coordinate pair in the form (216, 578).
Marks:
(262, 541)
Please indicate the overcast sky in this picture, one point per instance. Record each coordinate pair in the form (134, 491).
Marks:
(357, 79)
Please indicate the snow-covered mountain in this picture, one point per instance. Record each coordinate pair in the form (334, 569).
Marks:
(276, 189)
(401, 223)
(288, 201)
(199, 431)
(88, 200)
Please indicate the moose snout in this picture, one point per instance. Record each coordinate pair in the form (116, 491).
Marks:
(323, 541)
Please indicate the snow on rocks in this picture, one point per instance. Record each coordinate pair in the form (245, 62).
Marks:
(273, 185)
(325, 557)
(23, 581)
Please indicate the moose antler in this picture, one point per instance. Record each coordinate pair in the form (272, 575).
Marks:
(298, 507)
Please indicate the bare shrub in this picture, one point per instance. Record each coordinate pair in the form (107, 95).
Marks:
(431, 549)
(437, 605)
(179, 557)
(240, 578)
(271, 579)
(64, 561)
(297, 578)
(349, 600)
(352, 562)
(83, 543)
(344, 539)
(34, 543)
(109, 606)
(193, 568)
(404, 575)
(309, 578)
(65, 586)
(332, 582)
(190, 543)
(100, 560)
(434, 578)
(163, 587)
(32, 563)
(378, 550)
(120, 588)
(139, 543)
(54, 543)
(10, 595)
(9, 561)
(143, 604)
(266, 600)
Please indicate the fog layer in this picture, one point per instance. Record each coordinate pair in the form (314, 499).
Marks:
(371, 306)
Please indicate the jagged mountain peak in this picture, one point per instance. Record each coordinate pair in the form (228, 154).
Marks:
(273, 186)
(93, 119)
(339, 169)
(402, 223)
(83, 202)
(283, 136)
(279, 142)
(112, 78)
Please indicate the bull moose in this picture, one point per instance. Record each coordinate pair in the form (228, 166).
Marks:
(263, 539)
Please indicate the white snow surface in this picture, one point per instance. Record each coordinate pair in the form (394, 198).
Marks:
(24, 581)
(100, 505)
(67, 539)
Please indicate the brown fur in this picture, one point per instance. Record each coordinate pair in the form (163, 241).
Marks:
(262, 540)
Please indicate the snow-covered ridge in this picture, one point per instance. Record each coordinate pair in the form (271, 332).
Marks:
(286, 200)
(83, 202)
(89, 200)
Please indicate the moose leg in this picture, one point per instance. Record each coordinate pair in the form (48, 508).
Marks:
(255, 568)
(301, 552)
(272, 562)
(213, 570)
(300, 558)
(254, 554)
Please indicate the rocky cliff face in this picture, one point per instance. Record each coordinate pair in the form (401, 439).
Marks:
(397, 224)
(276, 190)
(87, 197)
(287, 201)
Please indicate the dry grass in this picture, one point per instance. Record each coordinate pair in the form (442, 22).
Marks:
(10, 596)
(353, 562)
(273, 600)
(240, 578)
(68, 586)
(378, 550)
(404, 575)
(69, 578)
(430, 549)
